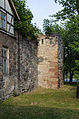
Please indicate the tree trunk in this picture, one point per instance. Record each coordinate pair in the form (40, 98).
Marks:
(71, 76)
(77, 92)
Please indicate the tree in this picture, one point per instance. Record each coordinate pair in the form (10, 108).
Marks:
(70, 9)
(25, 26)
(49, 27)
(70, 54)
(70, 15)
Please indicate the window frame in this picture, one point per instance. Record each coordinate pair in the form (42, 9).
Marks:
(2, 20)
(5, 58)
(10, 23)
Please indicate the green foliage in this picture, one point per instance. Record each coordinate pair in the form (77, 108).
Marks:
(37, 30)
(15, 93)
(47, 27)
(70, 15)
(50, 28)
(25, 26)
(70, 36)
(70, 48)
(70, 9)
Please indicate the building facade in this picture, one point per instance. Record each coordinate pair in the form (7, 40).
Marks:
(18, 55)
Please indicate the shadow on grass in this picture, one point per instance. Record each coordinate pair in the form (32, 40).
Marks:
(72, 84)
(36, 112)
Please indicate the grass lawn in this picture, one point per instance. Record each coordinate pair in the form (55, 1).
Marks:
(42, 104)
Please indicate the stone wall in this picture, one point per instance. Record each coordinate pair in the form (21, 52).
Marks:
(7, 79)
(22, 74)
(27, 64)
(50, 66)
(60, 62)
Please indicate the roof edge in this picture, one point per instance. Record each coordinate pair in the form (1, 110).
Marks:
(14, 9)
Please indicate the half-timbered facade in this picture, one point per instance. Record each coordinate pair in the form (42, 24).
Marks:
(7, 15)
(7, 47)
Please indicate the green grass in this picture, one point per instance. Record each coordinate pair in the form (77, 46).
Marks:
(42, 104)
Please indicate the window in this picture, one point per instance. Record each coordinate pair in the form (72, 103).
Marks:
(10, 24)
(2, 20)
(42, 41)
(7, 21)
(5, 60)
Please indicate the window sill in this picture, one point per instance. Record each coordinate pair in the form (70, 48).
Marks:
(5, 32)
(5, 74)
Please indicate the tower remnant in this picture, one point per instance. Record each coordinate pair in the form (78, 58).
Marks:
(50, 64)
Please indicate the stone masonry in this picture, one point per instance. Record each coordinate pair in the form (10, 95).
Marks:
(22, 65)
(27, 64)
(30, 65)
(7, 80)
(50, 64)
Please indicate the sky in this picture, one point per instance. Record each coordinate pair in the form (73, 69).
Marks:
(41, 10)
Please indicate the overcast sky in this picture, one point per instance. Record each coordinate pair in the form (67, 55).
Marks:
(41, 9)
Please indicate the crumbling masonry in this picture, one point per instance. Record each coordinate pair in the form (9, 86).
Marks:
(50, 66)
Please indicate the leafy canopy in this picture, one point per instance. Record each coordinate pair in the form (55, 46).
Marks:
(49, 27)
(25, 26)
(70, 9)
(70, 15)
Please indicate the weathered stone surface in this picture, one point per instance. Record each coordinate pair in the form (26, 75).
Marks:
(50, 66)
(27, 64)
(7, 80)
(60, 62)
(22, 75)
